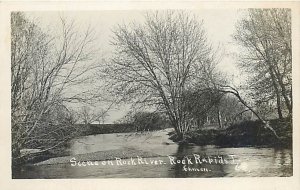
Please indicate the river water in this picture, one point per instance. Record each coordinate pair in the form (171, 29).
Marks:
(168, 159)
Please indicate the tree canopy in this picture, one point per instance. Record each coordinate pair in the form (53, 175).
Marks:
(158, 61)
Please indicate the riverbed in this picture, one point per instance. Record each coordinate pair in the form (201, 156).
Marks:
(154, 155)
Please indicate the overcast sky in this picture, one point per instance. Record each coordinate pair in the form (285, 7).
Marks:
(219, 25)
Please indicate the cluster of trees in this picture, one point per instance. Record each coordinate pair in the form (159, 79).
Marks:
(168, 63)
(43, 68)
(146, 121)
(87, 115)
(265, 38)
(211, 108)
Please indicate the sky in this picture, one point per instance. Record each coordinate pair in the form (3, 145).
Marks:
(219, 25)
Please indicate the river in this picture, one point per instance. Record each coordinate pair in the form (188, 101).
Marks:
(166, 160)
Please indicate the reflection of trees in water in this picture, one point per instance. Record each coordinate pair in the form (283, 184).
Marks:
(283, 161)
(178, 168)
(217, 170)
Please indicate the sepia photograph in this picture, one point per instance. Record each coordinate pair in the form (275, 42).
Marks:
(151, 93)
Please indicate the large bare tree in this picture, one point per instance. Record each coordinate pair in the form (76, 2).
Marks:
(265, 36)
(156, 62)
(43, 68)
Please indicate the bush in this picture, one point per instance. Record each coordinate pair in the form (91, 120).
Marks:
(247, 133)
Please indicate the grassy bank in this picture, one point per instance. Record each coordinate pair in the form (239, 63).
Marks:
(247, 133)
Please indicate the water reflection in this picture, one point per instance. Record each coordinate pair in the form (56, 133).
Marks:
(258, 162)
(192, 168)
(241, 162)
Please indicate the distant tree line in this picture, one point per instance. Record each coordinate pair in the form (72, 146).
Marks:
(146, 121)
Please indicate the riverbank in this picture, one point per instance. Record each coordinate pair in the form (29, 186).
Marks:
(86, 151)
(109, 146)
(82, 130)
(244, 134)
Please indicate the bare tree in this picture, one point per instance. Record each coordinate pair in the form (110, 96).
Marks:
(42, 69)
(101, 116)
(265, 35)
(86, 115)
(157, 62)
(89, 114)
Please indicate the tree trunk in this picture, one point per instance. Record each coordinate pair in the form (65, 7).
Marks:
(277, 78)
(277, 92)
(265, 123)
(279, 110)
(287, 101)
(207, 120)
(220, 119)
